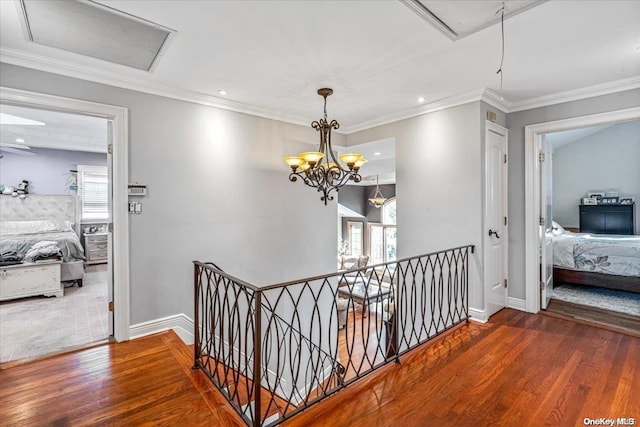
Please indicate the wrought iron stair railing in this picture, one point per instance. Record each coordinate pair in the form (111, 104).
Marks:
(274, 351)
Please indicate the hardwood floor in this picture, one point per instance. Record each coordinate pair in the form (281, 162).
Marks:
(144, 381)
(519, 369)
(607, 319)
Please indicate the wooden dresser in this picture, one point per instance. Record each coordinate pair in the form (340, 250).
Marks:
(607, 219)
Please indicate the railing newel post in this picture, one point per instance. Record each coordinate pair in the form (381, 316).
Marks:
(257, 353)
(196, 318)
(466, 284)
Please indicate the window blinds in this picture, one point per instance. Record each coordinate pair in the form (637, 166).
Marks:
(93, 188)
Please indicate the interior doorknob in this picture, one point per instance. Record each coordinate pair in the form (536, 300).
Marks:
(491, 232)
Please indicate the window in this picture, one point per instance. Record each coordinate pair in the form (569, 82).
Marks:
(376, 243)
(355, 237)
(389, 212)
(382, 237)
(93, 189)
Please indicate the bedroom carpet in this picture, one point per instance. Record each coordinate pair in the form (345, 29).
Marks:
(608, 299)
(37, 326)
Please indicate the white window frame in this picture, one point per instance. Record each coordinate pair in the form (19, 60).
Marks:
(350, 224)
(83, 171)
(384, 227)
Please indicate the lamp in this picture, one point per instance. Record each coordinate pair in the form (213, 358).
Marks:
(320, 169)
(378, 199)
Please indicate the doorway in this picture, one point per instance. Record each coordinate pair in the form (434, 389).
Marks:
(534, 208)
(592, 291)
(64, 159)
(119, 252)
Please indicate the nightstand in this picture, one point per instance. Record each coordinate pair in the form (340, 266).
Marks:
(96, 246)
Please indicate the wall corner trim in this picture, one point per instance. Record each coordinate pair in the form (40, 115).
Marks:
(181, 324)
(517, 304)
(478, 315)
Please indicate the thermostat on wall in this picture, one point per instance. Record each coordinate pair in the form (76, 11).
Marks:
(137, 190)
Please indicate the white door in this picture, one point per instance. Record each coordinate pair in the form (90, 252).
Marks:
(109, 227)
(495, 223)
(546, 218)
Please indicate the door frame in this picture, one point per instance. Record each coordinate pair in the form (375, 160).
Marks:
(496, 128)
(120, 160)
(532, 134)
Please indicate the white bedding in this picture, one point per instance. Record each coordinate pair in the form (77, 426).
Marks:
(609, 254)
(26, 239)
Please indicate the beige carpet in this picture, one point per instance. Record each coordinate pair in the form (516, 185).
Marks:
(37, 326)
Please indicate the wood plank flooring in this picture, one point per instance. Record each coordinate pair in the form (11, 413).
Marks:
(607, 319)
(517, 370)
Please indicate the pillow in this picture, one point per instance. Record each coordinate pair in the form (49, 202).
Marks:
(349, 262)
(34, 227)
(557, 229)
(363, 261)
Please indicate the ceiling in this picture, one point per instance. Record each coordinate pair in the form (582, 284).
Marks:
(379, 56)
(60, 131)
(562, 138)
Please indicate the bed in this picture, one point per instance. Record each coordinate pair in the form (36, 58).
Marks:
(607, 261)
(43, 218)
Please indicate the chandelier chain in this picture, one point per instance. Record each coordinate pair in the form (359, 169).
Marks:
(325, 108)
(501, 11)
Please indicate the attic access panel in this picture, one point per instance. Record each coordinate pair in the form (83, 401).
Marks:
(460, 18)
(94, 30)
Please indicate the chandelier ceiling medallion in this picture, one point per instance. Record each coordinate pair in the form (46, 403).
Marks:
(378, 199)
(320, 169)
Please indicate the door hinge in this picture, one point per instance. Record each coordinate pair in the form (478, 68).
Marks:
(505, 283)
(505, 220)
(110, 305)
(110, 148)
(505, 158)
(541, 157)
(542, 286)
(541, 221)
(110, 227)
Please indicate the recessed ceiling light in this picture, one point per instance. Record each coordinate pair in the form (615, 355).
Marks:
(420, 100)
(222, 92)
(377, 153)
(19, 140)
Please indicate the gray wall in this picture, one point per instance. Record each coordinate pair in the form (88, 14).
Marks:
(352, 196)
(516, 123)
(438, 185)
(356, 197)
(48, 170)
(217, 191)
(605, 161)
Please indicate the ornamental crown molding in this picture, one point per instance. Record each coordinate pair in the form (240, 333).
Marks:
(577, 94)
(56, 66)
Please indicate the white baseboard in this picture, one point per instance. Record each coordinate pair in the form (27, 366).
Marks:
(517, 304)
(181, 324)
(478, 315)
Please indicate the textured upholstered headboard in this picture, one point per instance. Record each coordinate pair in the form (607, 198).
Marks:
(41, 206)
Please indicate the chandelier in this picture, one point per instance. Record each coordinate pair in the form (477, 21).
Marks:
(378, 199)
(320, 169)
